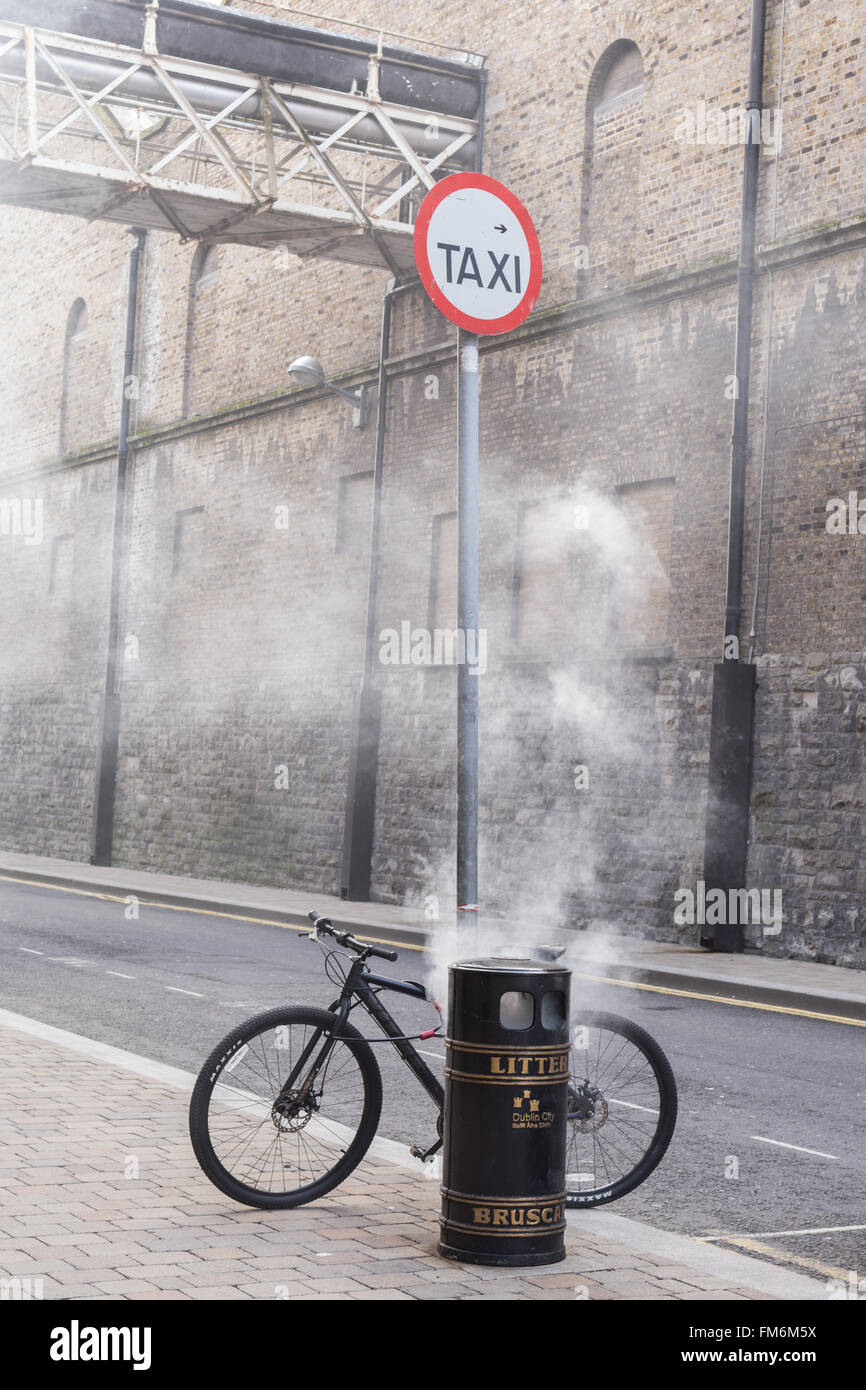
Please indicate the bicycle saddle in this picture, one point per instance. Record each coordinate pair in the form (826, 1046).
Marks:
(548, 952)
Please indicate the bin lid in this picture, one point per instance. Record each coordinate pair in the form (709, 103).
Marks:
(505, 963)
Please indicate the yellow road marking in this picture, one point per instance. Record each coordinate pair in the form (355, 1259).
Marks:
(758, 1247)
(412, 946)
(800, 1231)
(201, 911)
(720, 999)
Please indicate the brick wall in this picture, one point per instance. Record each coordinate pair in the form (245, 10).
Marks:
(243, 612)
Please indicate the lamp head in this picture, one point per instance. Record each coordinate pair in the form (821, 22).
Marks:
(307, 371)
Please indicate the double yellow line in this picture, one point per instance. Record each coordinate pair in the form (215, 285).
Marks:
(720, 999)
(182, 907)
(413, 946)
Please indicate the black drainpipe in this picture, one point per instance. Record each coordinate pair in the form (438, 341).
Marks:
(364, 752)
(733, 711)
(109, 730)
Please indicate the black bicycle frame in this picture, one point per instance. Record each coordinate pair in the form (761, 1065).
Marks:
(360, 985)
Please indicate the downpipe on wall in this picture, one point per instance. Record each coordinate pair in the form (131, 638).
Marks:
(733, 707)
(358, 832)
(102, 836)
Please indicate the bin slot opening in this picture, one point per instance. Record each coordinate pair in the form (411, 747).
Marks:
(517, 1009)
(553, 1009)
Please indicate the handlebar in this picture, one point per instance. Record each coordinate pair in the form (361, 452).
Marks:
(325, 925)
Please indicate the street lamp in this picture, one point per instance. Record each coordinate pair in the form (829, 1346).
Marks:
(308, 371)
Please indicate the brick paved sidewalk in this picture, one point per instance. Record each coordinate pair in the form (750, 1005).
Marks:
(100, 1197)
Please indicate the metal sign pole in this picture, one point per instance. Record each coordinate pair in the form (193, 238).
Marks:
(467, 622)
(479, 260)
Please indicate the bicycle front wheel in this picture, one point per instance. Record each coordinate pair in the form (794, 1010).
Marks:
(283, 1111)
(622, 1108)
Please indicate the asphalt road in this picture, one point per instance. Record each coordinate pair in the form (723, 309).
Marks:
(757, 1087)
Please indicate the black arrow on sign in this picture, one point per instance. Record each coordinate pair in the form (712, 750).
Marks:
(500, 228)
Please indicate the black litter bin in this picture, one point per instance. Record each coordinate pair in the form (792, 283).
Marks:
(506, 1091)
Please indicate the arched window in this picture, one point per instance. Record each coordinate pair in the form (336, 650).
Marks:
(201, 326)
(74, 411)
(610, 215)
(618, 76)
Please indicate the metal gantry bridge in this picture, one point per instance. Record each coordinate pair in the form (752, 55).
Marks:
(226, 126)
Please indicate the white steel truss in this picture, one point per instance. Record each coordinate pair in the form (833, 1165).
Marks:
(105, 132)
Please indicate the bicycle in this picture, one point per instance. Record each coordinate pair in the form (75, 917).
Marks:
(286, 1106)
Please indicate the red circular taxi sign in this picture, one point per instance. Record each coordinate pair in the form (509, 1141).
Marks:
(477, 253)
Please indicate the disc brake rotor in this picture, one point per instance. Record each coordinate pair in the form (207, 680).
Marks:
(588, 1109)
(291, 1114)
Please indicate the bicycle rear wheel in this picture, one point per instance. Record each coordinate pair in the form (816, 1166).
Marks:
(622, 1108)
(282, 1111)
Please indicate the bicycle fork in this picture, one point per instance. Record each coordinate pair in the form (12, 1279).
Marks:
(296, 1095)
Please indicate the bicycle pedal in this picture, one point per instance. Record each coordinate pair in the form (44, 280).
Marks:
(425, 1155)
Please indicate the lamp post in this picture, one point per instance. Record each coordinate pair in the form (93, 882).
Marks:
(308, 371)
